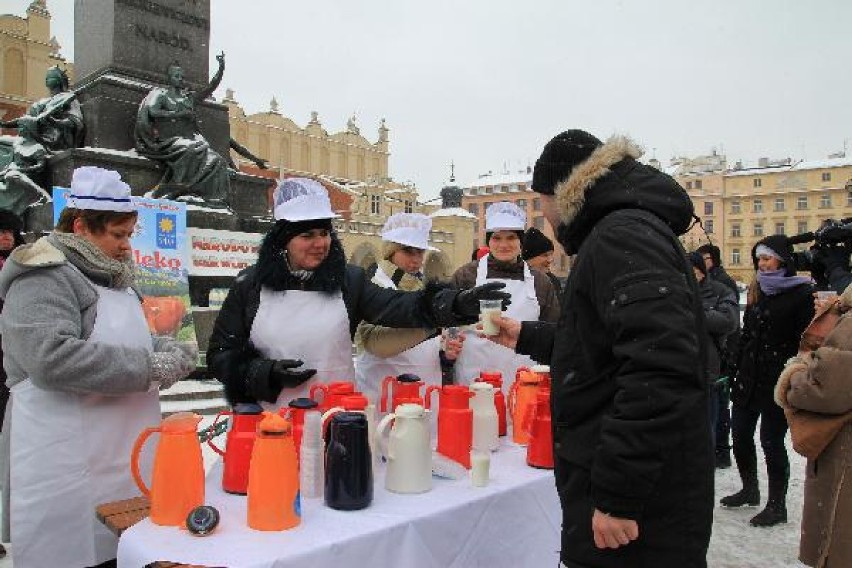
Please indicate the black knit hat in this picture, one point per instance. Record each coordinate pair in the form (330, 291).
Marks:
(535, 243)
(697, 261)
(560, 156)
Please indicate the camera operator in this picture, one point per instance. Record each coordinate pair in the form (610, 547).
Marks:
(828, 258)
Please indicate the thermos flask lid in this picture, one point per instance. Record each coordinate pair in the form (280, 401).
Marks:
(202, 520)
(408, 378)
(304, 403)
(247, 408)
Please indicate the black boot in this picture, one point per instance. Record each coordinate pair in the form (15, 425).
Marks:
(748, 496)
(723, 458)
(774, 513)
(776, 506)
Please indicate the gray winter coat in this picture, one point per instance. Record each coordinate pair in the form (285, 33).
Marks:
(49, 313)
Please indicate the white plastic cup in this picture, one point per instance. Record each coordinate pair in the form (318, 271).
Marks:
(486, 308)
(823, 295)
(480, 466)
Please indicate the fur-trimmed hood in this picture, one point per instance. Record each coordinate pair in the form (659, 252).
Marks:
(611, 179)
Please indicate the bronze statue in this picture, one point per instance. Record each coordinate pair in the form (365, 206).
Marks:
(167, 132)
(52, 124)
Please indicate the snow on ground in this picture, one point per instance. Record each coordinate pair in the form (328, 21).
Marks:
(734, 544)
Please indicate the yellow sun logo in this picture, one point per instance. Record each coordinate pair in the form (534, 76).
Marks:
(166, 225)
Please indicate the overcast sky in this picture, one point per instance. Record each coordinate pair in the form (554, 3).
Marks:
(488, 82)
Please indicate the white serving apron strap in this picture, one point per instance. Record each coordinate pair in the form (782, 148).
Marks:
(310, 326)
(479, 353)
(423, 359)
(71, 452)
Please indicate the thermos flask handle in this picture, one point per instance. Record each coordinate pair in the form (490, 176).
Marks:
(383, 397)
(134, 460)
(427, 398)
(210, 443)
(380, 435)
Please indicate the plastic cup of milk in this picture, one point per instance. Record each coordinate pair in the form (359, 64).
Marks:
(480, 466)
(486, 308)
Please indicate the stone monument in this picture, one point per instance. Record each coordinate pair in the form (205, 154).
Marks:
(125, 50)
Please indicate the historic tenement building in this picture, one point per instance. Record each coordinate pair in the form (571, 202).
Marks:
(27, 50)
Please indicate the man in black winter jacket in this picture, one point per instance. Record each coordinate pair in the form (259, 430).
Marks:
(632, 443)
(713, 262)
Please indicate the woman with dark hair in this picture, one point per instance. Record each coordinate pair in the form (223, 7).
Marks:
(83, 371)
(779, 308)
(289, 320)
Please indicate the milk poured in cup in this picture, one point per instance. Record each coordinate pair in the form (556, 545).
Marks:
(486, 309)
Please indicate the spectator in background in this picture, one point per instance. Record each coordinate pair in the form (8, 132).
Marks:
(779, 308)
(721, 314)
(537, 251)
(713, 262)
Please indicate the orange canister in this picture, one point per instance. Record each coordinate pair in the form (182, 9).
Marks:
(273, 489)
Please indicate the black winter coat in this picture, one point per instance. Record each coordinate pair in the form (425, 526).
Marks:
(232, 358)
(772, 328)
(722, 316)
(629, 400)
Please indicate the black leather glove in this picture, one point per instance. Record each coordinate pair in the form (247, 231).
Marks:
(270, 376)
(466, 302)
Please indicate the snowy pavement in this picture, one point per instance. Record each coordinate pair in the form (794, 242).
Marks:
(734, 544)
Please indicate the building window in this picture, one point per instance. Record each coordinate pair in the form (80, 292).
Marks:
(757, 182)
(849, 199)
(826, 176)
(539, 222)
(825, 201)
(758, 229)
(698, 184)
(708, 226)
(409, 206)
(735, 256)
(536, 204)
(802, 227)
(708, 207)
(735, 207)
(489, 190)
(758, 206)
(473, 191)
(779, 204)
(779, 228)
(476, 227)
(473, 208)
(802, 202)
(521, 202)
(689, 185)
(522, 187)
(505, 189)
(735, 229)
(375, 205)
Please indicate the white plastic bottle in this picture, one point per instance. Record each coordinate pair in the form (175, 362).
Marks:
(485, 427)
(311, 475)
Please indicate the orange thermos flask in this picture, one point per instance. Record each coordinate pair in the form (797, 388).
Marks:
(521, 397)
(455, 422)
(177, 484)
(538, 424)
(273, 489)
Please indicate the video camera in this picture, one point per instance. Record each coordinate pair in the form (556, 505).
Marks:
(831, 234)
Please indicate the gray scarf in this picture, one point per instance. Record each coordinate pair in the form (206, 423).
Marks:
(92, 262)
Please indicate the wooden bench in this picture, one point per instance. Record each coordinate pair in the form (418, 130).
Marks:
(119, 516)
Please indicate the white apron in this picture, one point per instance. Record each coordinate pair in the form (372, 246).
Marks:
(310, 326)
(71, 452)
(479, 353)
(423, 359)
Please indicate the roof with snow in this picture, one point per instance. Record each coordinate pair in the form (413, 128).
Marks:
(453, 212)
(504, 178)
(802, 165)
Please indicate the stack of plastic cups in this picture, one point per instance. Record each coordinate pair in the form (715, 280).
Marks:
(311, 475)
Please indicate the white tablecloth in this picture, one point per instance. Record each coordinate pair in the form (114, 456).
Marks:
(513, 522)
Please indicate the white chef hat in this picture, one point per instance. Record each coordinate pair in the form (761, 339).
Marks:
(504, 216)
(408, 229)
(99, 189)
(301, 199)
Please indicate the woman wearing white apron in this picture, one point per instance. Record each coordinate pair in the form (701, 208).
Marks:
(533, 296)
(83, 371)
(384, 351)
(288, 321)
